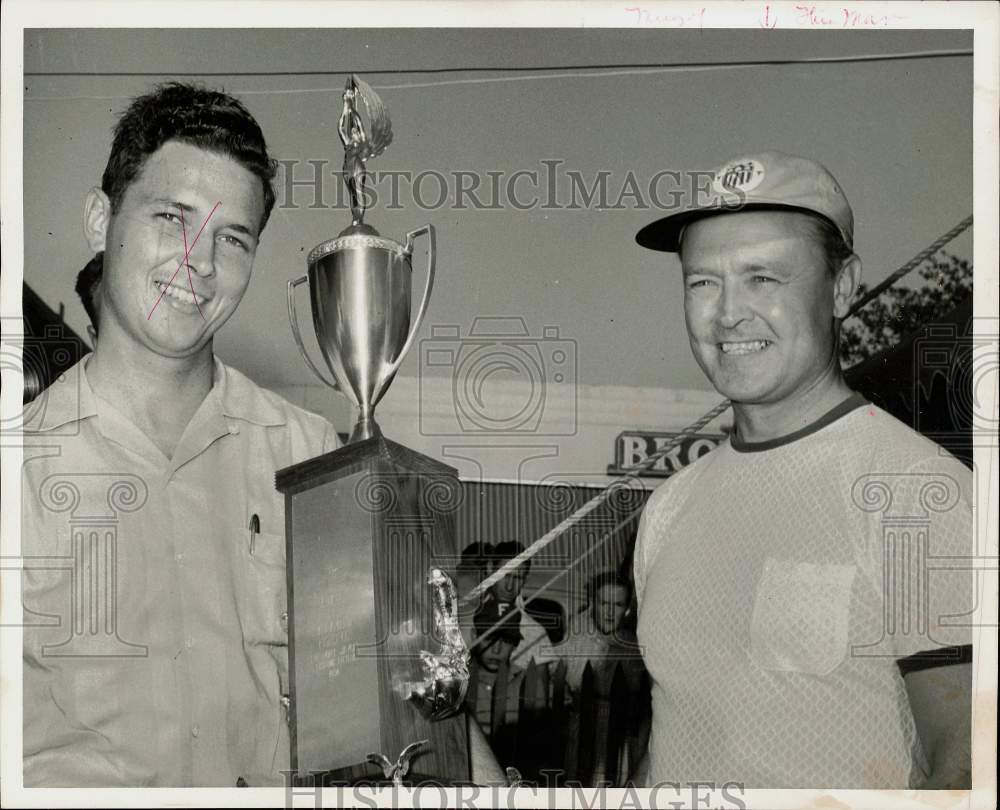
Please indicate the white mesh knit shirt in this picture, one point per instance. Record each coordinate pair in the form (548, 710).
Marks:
(779, 583)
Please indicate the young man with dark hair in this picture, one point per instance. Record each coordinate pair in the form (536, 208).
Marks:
(166, 664)
(796, 609)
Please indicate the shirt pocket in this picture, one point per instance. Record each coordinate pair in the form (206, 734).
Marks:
(263, 595)
(801, 616)
(262, 602)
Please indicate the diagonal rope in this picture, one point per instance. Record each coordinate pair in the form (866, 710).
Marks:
(593, 503)
(630, 473)
(922, 256)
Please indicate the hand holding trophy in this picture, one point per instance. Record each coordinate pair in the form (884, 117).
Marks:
(375, 657)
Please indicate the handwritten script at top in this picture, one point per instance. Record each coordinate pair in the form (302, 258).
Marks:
(645, 16)
(772, 16)
(841, 17)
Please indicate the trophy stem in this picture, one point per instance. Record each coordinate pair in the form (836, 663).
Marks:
(365, 428)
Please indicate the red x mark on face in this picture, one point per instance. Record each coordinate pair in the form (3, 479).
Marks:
(184, 261)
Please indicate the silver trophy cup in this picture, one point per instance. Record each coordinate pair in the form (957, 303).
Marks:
(360, 288)
(364, 671)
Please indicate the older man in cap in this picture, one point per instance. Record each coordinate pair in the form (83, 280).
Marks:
(796, 617)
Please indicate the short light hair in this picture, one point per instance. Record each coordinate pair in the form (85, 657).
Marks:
(836, 251)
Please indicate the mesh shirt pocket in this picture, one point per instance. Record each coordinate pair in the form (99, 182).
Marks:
(801, 616)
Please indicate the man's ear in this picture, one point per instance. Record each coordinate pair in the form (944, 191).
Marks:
(96, 218)
(845, 286)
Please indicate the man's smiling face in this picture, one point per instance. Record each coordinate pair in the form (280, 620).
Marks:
(510, 585)
(184, 199)
(759, 304)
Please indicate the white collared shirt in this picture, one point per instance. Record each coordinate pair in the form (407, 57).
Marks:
(535, 642)
(168, 657)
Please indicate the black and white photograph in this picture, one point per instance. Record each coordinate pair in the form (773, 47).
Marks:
(458, 404)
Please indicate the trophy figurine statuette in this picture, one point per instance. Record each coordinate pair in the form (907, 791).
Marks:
(376, 659)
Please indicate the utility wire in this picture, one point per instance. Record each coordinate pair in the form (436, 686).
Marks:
(557, 72)
(875, 57)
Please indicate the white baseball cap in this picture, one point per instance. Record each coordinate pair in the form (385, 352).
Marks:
(765, 180)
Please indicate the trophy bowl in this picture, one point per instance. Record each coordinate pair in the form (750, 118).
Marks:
(360, 286)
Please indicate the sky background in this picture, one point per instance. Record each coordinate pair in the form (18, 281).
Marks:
(897, 135)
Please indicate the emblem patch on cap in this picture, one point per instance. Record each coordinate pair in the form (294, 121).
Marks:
(742, 175)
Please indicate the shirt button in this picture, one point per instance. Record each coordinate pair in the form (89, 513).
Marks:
(179, 557)
(234, 430)
(189, 643)
(195, 730)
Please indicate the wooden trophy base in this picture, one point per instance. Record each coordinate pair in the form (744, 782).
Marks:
(364, 525)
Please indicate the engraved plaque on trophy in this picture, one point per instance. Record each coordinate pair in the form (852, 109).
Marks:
(377, 664)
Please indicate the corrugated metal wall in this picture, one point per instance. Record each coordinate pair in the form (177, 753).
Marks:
(496, 512)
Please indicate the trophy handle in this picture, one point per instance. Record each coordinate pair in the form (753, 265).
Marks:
(422, 309)
(294, 321)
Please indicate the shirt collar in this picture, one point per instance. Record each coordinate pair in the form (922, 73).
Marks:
(68, 399)
(240, 398)
(71, 399)
(854, 400)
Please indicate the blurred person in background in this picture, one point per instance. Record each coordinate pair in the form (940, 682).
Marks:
(604, 637)
(540, 620)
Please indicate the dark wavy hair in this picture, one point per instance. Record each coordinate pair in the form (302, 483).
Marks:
(507, 550)
(189, 113)
(86, 285)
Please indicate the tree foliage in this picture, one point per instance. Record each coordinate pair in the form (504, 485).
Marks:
(901, 310)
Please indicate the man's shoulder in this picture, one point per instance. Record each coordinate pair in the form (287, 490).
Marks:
(685, 478)
(60, 406)
(268, 404)
(531, 628)
(873, 464)
(308, 434)
(665, 502)
(893, 445)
